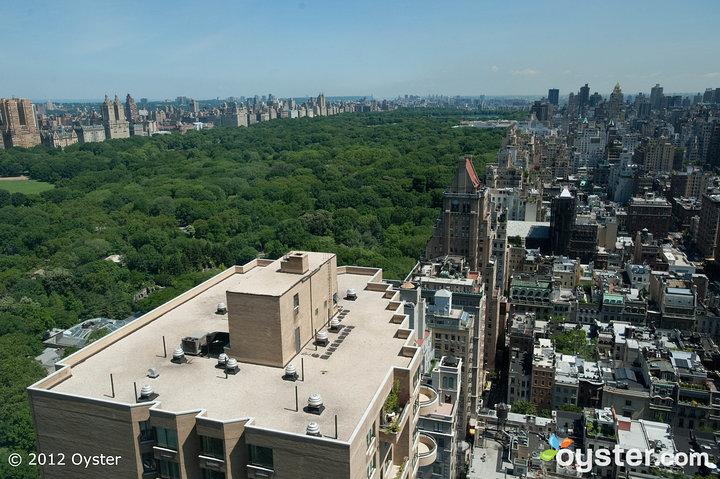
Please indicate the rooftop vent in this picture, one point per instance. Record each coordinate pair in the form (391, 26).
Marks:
(321, 338)
(290, 373)
(315, 404)
(147, 393)
(153, 373)
(313, 429)
(231, 366)
(195, 343)
(222, 360)
(351, 294)
(335, 324)
(221, 308)
(178, 356)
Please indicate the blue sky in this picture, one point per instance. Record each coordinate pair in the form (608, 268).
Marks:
(208, 49)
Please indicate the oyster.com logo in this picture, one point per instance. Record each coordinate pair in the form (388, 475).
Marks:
(549, 454)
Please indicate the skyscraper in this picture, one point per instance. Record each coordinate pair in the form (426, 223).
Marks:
(615, 104)
(113, 115)
(130, 109)
(656, 97)
(562, 220)
(553, 96)
(583, 99)
(18, 123)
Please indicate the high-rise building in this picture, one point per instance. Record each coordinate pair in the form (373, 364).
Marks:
(460, 230)
(464, 233)
(113, 115)
(649, 212)
(708, 234)
(131, 112)
(615, 104)
(655, 155)
(303, 370)
(583, 99)
(562, 220)
(554, 96)
(656, 97)
(322, 105)
(18, 123)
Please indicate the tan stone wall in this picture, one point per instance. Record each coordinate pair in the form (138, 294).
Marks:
(73, 425)
(302, 457)
(254, 323)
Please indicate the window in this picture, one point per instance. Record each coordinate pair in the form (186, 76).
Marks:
(371, 467)
(628, 402)
(166, 438)
(210, 474)
(213, 447)
(146, 432)
(416, 377)
(169, 470)
(148, 462)
(370, 436)
(261, 456)
(444, 382)
(296, 303)
(451, 383)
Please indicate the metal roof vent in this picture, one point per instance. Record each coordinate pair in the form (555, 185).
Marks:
(231, 366)
(147, 393)
(335, 324)
(222, 360)
(290, 373)
(313, 429)
(315, 404)
(221, 308)
(321, 338)
(351, 294)
(178, 356)
(153, 373)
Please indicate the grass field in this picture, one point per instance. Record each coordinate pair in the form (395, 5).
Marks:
(29, 187)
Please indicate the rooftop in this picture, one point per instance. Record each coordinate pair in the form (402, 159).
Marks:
(256, 391)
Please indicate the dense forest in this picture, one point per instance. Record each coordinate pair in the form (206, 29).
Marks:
(179, 208)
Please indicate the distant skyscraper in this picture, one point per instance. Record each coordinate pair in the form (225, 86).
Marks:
(583, 98)
(113, 114)
(615, 104)
(130, 109)
(18, 123)
(194, 107)
(656, 97)
(554, 96)
(322, 105)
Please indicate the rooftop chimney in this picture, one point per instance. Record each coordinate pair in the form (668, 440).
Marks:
(295, 262)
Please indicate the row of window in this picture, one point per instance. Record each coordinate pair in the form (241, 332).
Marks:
(450, 337)
(211, 447)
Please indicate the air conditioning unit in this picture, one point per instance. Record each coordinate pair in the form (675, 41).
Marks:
(195, 343)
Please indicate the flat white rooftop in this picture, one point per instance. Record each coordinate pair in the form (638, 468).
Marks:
(347, 373)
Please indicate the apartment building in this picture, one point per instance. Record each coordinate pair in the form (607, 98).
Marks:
(293, 368)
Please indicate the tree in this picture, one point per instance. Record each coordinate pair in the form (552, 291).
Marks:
(524, 407)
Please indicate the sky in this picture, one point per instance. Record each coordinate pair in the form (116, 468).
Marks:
(82, 49)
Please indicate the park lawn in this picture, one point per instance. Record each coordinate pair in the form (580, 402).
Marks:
(28, 187)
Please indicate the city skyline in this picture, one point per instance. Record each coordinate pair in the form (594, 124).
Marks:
(384, 50)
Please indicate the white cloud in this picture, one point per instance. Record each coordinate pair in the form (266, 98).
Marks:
(712, 75)
(525, 73)
(494, 68)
